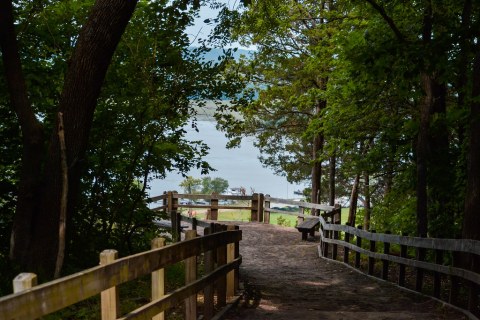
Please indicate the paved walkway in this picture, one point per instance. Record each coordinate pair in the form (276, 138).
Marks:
(285, 279)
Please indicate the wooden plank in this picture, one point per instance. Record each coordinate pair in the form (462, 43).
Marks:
(308, 224)
(160, 208)
(151, 309)
(231, 275)
(52, 296)
(158, 279)
(385, 263)
(448, 270)
(208, 292)
(301, 204)
(24, 281)
(308, 216)
(209, 197)
(207, 206)
(109, 298)
(357, 253)
(462, 245)
(221, 283)
(157, 198)
(191, 276)
(371, 261)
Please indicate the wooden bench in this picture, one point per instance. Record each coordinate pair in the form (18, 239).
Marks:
(308, 226)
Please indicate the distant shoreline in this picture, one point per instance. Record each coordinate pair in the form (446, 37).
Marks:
(207, 112)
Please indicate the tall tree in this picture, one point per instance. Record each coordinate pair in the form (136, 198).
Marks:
(290, 74)
(35, 232)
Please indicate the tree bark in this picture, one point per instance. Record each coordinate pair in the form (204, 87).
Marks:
(367, 205)
(422, 157)
(32, 134)
(471, 221)
(332, 179)
(36, 223)
(352, 212)
(423, 132)
(316, 168)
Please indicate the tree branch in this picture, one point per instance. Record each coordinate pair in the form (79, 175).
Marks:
(388, 20)
(13, 73)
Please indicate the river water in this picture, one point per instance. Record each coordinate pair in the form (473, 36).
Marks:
(239, 166)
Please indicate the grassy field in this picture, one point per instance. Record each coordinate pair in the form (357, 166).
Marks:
(287, 220)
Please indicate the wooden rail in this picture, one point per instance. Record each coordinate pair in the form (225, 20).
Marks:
(52, 296)
(445, 273)
(259, 205)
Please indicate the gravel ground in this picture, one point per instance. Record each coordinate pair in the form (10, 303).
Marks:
(283, 278)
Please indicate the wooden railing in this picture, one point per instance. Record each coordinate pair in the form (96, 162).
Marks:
(221, 261)
(258, 204)
(435, 257)
(423, 264)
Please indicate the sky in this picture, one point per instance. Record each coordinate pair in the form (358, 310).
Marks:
(200, 29)
(241, 166)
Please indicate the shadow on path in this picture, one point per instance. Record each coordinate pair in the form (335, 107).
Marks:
(284, 278)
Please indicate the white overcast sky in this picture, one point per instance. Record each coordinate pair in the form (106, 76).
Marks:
(200, 29)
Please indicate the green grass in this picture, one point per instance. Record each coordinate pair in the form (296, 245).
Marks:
(286, 220)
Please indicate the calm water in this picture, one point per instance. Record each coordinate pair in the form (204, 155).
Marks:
(239, 166)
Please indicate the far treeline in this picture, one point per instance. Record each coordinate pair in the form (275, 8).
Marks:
(376, 100)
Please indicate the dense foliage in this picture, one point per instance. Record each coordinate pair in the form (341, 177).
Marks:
(138, 127)
(391, 90)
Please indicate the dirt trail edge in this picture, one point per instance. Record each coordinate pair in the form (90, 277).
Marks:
(285, 279)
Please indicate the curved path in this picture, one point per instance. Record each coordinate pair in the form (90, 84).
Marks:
(285, 279)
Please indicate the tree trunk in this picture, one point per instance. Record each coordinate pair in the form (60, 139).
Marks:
(471, 221)
(32, 134)
(422, 156)
(352, 212)
(316, 168)
(367, 204)
(317, 149)
(35, 229)
(332, 179)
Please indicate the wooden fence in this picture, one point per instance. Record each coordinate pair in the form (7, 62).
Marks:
(386, 253)
(426, 265)
(221, 261)
(409, 261)
(258, 204)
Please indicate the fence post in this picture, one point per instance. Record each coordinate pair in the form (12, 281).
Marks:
(261, 198)
(221, 283)
(346, 250)
(172, 209)
(237, 269)
(437, 284)
(371, 260)
(191, 276)
(326, 233)
(109, 297)
(208, 304)
(254, 209)
(230, 258)
(301, 210)
(266, 209)
(337, 219)
(194, 224)
(385, 262)
(359, 244)
(165, 202)
(214, 207)
(158, 279)
(419, 279)
(401, 272)
(24, 281)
